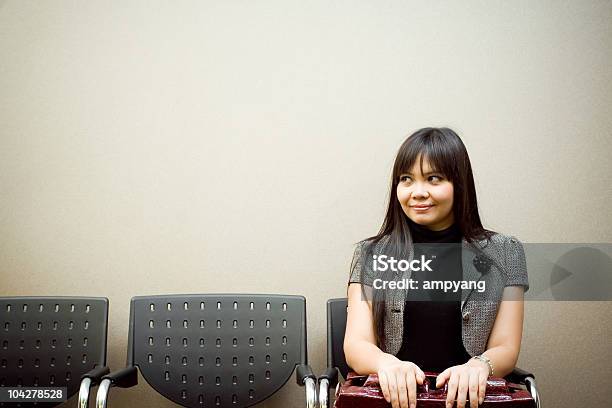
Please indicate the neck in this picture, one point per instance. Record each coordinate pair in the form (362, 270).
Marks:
(421, 233)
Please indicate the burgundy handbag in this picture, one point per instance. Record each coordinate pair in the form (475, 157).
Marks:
(361, 391)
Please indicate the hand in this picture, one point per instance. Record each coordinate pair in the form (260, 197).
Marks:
(471, 376)
(398, 381)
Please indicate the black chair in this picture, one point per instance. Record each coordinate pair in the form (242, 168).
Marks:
(215, 350)
(53, 342)
(336, 363)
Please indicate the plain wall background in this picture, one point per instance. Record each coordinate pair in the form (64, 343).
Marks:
(244, 146)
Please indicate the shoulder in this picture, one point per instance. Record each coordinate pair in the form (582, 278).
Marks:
(371, 245)
(498, 242)
(361, 268)
(508, 251)
(504, 249)
(509, 245)
(504, 240)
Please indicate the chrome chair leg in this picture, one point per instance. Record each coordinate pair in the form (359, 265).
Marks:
(324, 393)
(531, 386)
(311, 393)
(84, 393)
(102, 393)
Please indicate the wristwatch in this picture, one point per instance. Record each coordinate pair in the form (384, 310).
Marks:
(485, 359)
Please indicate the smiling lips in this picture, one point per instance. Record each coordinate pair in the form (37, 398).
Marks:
(422, 207)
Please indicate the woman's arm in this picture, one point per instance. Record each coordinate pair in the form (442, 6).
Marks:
(504, 342)
(469, 380)
(360, 349)
(398, 379)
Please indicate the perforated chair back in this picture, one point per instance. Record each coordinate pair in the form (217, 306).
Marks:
(336, 326)
(51, 341)
(217, 350)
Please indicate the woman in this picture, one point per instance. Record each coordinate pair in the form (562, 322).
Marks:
(466, 335)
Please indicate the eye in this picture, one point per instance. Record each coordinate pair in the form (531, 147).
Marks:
(435, 178)
(404, 178)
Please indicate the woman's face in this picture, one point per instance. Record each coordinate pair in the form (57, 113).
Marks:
(426, 198)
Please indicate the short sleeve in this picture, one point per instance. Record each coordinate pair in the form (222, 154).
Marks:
(516, 266)
(359, 272)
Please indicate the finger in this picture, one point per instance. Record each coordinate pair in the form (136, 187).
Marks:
(393, 390)
(402, 390)
(473, 388)
(420, 376)
(464, 383)
(384, 385)
(482, 387)
(451, 390)
(442, 377)
(411, 380)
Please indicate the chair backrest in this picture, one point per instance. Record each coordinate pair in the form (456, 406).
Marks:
(217, 349)
(336, 325)
(51, 341)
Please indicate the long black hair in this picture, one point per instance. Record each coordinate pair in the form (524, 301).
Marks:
(447, 155)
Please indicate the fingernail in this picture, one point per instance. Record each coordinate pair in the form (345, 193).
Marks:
(412, 405)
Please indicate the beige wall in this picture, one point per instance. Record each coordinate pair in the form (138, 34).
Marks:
(225, 146)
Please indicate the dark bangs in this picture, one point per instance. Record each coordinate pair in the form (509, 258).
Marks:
(430, 144)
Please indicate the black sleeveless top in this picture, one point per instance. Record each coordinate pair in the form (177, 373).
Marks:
(432, 318)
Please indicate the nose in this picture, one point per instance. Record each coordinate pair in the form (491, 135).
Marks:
(420, 191)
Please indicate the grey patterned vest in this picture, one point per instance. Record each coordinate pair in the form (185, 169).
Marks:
(478, 309)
